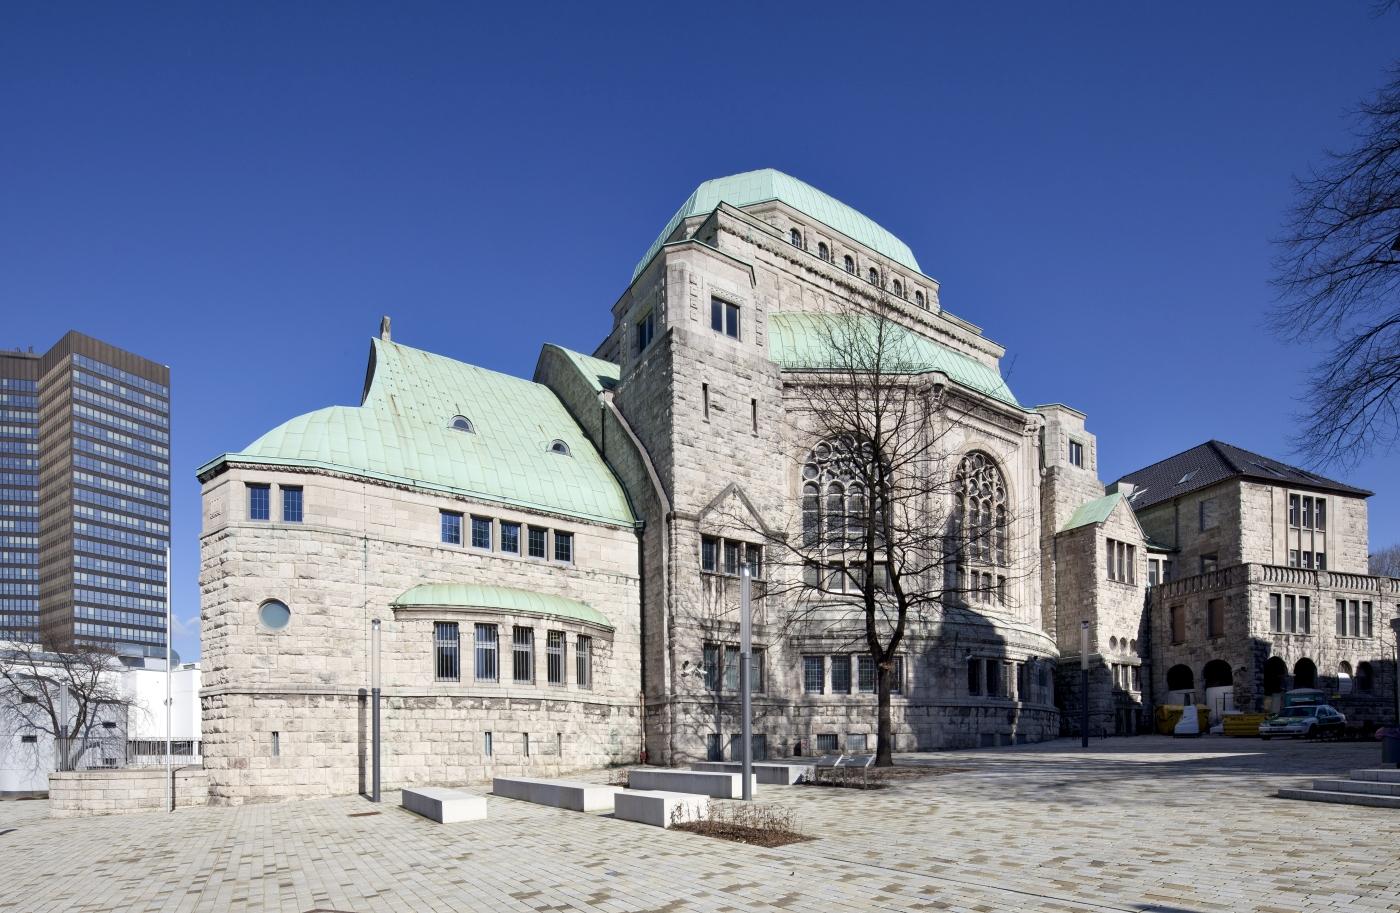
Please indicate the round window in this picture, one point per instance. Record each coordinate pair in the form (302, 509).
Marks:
(274, 615)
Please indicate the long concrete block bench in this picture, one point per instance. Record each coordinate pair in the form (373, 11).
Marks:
(717, 785)
(447, 806)
(763, 771)
(570, 794)
(660, 808)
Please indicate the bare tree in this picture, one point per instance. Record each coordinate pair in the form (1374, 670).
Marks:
(1386, 562)
(1340, 276)
(885, 535)
(67, 693)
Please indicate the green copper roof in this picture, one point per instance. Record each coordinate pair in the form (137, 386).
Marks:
(801, 341)
(1094, 512)
(401, 433)
(601, 374)
(767, 184)
(504, 598)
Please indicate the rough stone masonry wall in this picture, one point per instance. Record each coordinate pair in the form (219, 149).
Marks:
(83, 793)
(361, 546)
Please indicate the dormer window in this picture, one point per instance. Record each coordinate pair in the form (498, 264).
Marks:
(823, 251)
(850, 265)
(462, 423)
(559, 447)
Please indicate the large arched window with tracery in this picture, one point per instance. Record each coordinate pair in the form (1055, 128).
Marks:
(834, 509)
(979, 540)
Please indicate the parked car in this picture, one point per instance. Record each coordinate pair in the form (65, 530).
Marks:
(1311, 721)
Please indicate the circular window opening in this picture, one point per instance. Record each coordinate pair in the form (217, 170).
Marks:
(274, 615)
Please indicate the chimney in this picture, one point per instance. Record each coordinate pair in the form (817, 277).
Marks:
(384, 329)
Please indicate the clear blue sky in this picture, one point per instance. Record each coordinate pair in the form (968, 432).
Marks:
(241, 190)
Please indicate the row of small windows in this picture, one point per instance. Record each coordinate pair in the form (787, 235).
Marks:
(487, 531)
(1305, 512)
(260, 502)
(720, 668)
(796, 239)
(465, 425)
(447, 655)
(727, 556)
(816, 666)
(1005, 679)
(1122, 562)
(117, 374)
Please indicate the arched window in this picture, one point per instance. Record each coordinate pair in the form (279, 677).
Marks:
(979, 521)
(1344, 677)
(1365, 679)
(1275, 675)
(833, 496)
(1113, 644)
(1132, 646)
(899, 288)
(1180, 678)
(795, 237)
(462, 423)
(559, 447)
(1305, 673)
(873, 277)
(823, 251)
(919, 299)
(1217, 674)
(850, 264)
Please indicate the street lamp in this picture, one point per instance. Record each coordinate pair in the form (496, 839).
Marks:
(1395, 626)
(1084, 684)
(374, 691)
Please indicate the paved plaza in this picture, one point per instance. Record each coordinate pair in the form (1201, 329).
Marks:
(1146, 824)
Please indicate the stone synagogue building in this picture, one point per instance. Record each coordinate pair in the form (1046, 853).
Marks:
(555, 562)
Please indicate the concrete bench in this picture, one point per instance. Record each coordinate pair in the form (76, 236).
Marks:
(717, 785)
(861, 762)
(763, 771)
(570, 794)
(660, 808)
(447, 806)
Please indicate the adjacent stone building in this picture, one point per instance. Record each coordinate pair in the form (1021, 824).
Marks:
(555, 564)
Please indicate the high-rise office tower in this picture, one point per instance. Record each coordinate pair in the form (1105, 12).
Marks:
(84, 496)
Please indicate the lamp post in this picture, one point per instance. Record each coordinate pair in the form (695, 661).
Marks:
(374, 691)
(169, 773)
(745, 667)
(1395, 627)
(1084, 684)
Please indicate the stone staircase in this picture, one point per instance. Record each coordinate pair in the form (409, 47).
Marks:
(1378, 787)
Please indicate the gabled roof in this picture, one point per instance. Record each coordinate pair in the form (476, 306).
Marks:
(1095, 511)
(501, 598)
(802, 341)
(1215, 461)
(768, 184)
(401, 433)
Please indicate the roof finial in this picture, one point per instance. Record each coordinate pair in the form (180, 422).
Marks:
(384, 328)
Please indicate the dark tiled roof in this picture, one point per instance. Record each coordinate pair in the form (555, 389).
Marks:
(1215, 461)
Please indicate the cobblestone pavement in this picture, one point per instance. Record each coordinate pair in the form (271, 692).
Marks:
(1146, 824)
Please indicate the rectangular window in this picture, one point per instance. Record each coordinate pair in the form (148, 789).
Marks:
(451, 527)
(714, 748)
(486, 668)
(974, 677)
(276, 744)
(1137, 678)
(841, 674)
(1354, 628)
(1215, 618)
(992, 678)
(1122, 562)
(856, 741)
(1321, 558)
(527, 743)
(1307, 512)
(731, 668)
(753, 414)
(1178, 620)
(446, 652)
(1209, 519)
(724, 317)
(865, 677)
(1304, 614)
(828, 742)
(554, 657)
(709, 554)
(481, 532)
(1276, 612)
(1341, 618)
(813, 674)
(1076, 453)
(535, 540)
(291, 504)
(646, 329)
(510, 537)
(259, 502)
(1290, 614)
(1307, 559)
(710, 665)
(758, 678)
(486, 746)
(1153, 572)
(897, 682)
(1293, 510)
(731, 558)
(1293, 557)
(522, 655)
(811, 574)
(705, 401)
(753, 559)
(563, 547)
(583, 659)
(1365, 620)
(1321, 516)
(1209, 563)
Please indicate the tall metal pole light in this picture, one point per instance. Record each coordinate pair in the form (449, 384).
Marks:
(374, 686)
(1084, 684)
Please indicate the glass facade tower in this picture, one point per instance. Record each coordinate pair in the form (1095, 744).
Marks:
(95, 479)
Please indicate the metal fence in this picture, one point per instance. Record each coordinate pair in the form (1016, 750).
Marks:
(97, 752)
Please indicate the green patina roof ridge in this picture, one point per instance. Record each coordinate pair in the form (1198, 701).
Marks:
(1093, 512)
(504, 598)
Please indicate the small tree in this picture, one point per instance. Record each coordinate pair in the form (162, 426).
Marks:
(888, 533)
(1386, 562)
(62, 692)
